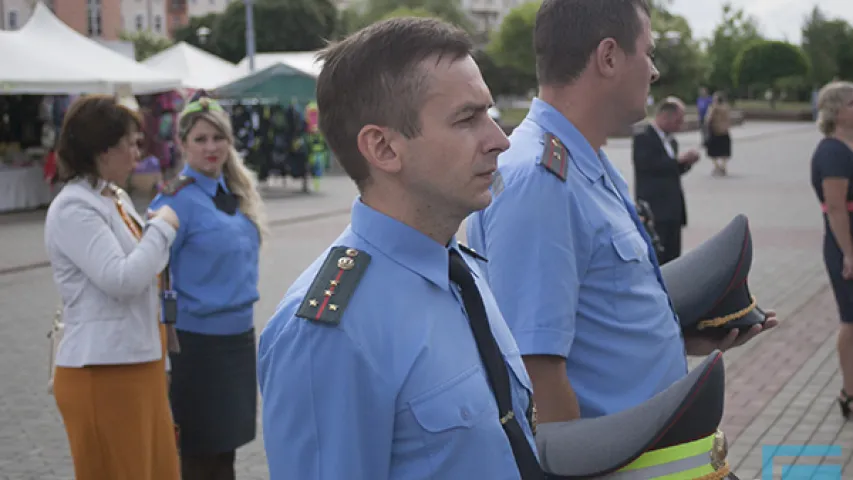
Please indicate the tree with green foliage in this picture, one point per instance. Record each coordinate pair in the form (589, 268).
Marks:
(828, 44)
(280, 26)
(504, 80)
(372, 11)
(512, 44)
(419, 12)
(734, 31)
(769, 64)
(349, 20)
(845, 58)
(146, 44)
(678, 57)
(189, 33)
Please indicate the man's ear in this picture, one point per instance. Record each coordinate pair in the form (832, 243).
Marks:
(381, 147)
(606, 57)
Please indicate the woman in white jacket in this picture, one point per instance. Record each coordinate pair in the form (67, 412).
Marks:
(110, 381)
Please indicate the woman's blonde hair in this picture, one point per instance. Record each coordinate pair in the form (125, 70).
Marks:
(831, 98)
(240, 180)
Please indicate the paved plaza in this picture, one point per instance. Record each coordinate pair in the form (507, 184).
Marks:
(781, 387)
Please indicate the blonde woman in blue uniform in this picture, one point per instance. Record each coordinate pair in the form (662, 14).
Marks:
(214, 264)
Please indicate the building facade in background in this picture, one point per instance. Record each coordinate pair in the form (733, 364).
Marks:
(106, 19)
(93, 18)
(140, 15)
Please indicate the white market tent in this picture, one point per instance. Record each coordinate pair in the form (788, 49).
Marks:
(29, 68)
(70, 54)
(195, 67)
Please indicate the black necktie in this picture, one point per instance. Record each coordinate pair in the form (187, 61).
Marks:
(225, 201)
(496, 369)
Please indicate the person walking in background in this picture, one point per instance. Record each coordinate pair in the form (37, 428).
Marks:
(658, 167)
(832, 181)
(703, 101)
(718, 143)
(215, 277)
(110, 376)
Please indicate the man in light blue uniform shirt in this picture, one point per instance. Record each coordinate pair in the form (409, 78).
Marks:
(569, 263)
(379, 360)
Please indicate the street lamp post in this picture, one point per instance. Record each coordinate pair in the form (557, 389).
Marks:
(149, 13)
(250, 35)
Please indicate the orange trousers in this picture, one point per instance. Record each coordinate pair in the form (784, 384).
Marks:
(118, 421)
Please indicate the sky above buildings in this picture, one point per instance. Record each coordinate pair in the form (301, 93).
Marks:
(778, 19)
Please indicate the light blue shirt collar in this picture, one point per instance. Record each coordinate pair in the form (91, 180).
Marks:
(551, 120)
(204, 182)
(403, 244)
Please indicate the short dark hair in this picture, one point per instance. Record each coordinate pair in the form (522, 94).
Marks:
(567, 32)
(92, 125)
(670, 105)
(373, 77)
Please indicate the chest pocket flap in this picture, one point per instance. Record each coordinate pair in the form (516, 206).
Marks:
(460, 403)
(630, 246)
(219, 235)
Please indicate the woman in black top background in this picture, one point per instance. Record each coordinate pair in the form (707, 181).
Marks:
(832, 179)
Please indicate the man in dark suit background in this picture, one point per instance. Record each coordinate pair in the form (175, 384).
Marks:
(657, 174)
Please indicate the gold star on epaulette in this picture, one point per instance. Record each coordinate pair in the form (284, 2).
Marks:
(555, 157)
(334, 285)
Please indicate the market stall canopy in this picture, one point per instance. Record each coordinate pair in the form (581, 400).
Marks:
(30, 68)
(195, 67)
(304, 62)
(110, 67)
(278, 81)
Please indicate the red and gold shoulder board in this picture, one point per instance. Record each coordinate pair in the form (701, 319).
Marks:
(334, 285)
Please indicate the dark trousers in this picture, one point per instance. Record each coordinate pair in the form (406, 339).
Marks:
(670, 239)
(208, 467)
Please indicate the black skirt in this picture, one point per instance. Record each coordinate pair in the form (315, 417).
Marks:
(842, 289)
(214, 392)
(719, 146)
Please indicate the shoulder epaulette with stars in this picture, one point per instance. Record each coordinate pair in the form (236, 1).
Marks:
(472, 252)
(555, 157)
(177, 184)
(334, 285)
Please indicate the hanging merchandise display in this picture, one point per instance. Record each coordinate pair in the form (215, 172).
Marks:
(273, 138)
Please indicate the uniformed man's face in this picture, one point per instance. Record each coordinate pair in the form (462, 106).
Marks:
(639, 73)
(206, 148)
(449, 166)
